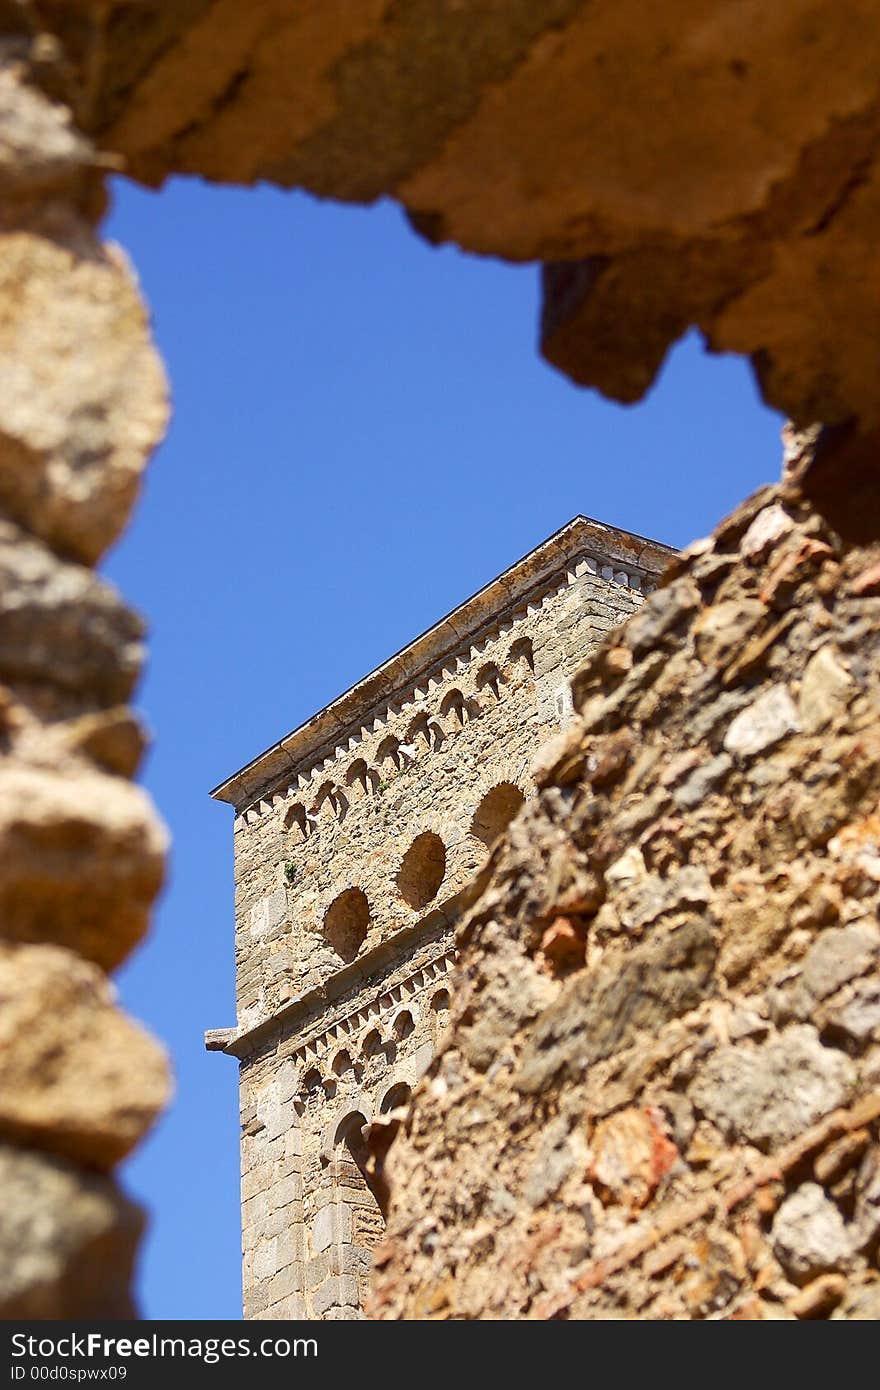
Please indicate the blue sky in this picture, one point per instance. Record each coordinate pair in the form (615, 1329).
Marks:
(363, 435)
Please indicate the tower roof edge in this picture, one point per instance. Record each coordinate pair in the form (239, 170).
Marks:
(581, 534)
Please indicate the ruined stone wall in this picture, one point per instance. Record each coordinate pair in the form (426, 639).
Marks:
(351, 873)
(81, 850)
(679, 1116)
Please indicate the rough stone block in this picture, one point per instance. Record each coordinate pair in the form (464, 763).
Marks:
(768, 1094)
(265, 1260)
(77, 1076)
(267, 914)
(338, 1292)
(67, 1241)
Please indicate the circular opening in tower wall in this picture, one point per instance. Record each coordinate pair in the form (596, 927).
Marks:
(346, 921)
(422, 870)
(495, 812)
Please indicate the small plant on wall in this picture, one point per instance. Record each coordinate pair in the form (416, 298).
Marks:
(290, 872)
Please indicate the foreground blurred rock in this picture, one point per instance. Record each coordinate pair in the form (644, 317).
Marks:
(81, 858)
(76, 1075)
(82, 404)
(677, 1117)
(695, 162)
(67, 1241)
(74, 442)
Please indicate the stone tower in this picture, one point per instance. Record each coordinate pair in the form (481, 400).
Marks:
(357, 841)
